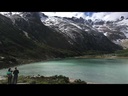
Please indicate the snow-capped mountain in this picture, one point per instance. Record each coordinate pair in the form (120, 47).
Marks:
(69, 26)
(34, 35)
(74, 34)
(116, 31)
(8, 14)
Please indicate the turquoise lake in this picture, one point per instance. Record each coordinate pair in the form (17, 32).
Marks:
(101, 71)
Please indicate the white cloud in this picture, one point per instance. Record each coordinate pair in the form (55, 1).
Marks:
(66, 14)
(108, 15)
(96, 15)
(112, 16)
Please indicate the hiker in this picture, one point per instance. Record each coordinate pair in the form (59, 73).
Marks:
(9, 74)
(15, 72)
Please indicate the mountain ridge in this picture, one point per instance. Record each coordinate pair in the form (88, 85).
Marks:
(116, 30)
(28, 36)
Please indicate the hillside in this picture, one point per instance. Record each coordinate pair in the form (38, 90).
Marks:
(32, 36)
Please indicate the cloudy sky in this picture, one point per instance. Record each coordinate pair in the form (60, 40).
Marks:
(90, 15)
(87, 15)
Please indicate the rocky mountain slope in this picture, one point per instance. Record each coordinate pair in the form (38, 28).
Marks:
(77, 29)
(116, 31)
(33, 35)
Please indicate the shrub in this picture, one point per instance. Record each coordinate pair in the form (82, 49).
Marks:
(33, 82)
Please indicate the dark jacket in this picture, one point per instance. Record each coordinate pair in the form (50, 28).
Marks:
(16, 72)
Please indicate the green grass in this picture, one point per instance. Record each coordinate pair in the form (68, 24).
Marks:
(122, 53)
(45, 80)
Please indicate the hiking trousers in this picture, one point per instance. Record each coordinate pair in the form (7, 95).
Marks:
(15, 79)
(9, 80)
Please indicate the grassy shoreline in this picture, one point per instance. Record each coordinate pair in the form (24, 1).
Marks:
(57, 79)
(104, 56)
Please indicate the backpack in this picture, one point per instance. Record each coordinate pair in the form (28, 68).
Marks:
(9, 74)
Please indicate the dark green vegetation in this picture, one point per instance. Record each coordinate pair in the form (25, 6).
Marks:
(15, 45)
(122, 53)
(24, 40)
(45, 80)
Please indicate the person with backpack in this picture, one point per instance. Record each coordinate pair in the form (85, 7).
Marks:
(9, 74)
(15, 72)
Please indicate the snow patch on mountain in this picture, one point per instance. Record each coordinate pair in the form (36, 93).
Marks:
(123, 22)
(122, 42)
(105, 33)
(43, 18)
(125, 31)
(64, 26)
(51, 21)
(76, 25)
(70, 42)
(8, 14)
(26, 34)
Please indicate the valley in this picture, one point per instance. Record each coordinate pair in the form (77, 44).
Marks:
(27, 37)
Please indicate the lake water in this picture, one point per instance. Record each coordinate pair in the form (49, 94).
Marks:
(102, 71)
